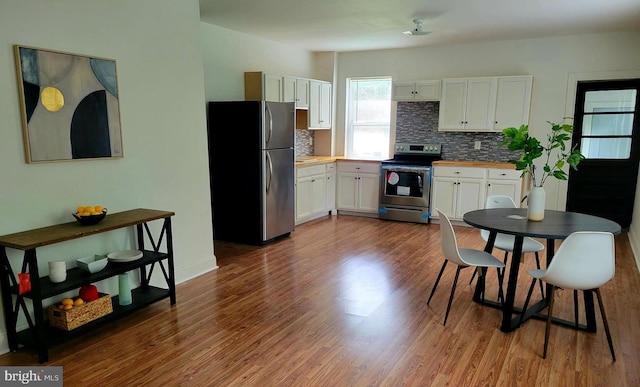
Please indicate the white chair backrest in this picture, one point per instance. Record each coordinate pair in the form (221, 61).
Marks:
(500, 201)
(585, 260)
(497, 201)
(448, 240)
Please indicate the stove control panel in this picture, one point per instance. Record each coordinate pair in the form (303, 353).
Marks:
(403, 148)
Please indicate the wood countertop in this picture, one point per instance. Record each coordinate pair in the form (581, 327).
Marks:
(477, 164)
(317, 160)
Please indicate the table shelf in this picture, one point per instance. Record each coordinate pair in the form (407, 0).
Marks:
(77, 277)
(141, 297)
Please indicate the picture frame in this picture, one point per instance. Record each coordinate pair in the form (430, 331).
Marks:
(69, 105)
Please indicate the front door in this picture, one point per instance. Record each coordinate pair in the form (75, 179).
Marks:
(607, 132)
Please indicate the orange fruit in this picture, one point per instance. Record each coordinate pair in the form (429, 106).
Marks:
(89, 209)
(98, 209)
(80, 209)
(67, 307)
(67, 301)
(78, 301)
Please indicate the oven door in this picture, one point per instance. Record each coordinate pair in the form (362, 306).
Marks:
(405, 185)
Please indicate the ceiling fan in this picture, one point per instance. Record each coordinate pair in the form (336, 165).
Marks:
(417, 30)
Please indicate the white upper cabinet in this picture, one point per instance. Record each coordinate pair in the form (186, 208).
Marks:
(468, 104)
(319, 105)
(513, 102)
(485, 104)
(296, 90)
(417, 91)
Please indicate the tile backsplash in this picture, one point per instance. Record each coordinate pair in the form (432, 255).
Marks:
(418, 122)
(303, 145)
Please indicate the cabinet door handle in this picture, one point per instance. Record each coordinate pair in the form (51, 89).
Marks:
(503, 174)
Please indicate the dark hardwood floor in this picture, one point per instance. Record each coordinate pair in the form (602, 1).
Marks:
(342, 302)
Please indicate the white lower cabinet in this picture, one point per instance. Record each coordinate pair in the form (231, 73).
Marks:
(315, 191)
(505, 182)
(358, 187)
(457, 190)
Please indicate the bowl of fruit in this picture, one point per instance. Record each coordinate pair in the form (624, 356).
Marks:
(90, 215)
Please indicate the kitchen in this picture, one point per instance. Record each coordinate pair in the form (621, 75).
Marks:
(552, 90)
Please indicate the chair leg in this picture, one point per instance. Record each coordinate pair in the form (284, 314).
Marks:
(576, 313)
(506, 258)
(500, 282)
(453, 290)
(526, 301)
(548, 329)
(473, 276)
(606, 324)
(538, 267)
(435, 285)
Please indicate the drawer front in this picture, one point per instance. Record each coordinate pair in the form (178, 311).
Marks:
(331, 167)
(310, 171)
(359, 167)
(471, 172)
(506, 174)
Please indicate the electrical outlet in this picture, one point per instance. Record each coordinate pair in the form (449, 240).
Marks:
(477, 145)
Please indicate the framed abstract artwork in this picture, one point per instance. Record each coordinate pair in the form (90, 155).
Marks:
(70, 107)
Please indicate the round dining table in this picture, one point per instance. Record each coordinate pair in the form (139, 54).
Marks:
(555, 225)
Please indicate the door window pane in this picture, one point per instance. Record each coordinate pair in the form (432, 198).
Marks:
(606, 148)
(607, 125)
(610, 101)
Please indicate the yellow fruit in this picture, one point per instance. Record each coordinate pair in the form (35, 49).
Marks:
(67, 301)
(80, 209)
(85, 213)
(78, 301)
(98, 209)
(67, 307)
(89, 209)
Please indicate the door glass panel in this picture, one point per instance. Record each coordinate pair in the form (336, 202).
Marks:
(607, 125)
(605, 148)
(610, 101)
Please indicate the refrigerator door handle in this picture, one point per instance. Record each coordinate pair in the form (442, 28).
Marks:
(268, 111)
(270, 171)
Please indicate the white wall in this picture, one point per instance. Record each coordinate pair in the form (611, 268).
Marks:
(158, 54)
(228, 54)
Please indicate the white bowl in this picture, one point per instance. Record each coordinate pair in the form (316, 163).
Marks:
(92, 263)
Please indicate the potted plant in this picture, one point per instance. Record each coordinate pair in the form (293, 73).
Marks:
(519, 140)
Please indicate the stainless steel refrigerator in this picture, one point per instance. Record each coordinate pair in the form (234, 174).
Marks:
(251, 164)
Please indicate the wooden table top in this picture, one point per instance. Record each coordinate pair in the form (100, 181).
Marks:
(31, 239)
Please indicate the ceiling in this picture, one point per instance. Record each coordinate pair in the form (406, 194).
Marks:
(355, 25)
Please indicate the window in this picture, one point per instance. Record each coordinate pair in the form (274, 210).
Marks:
(368, 118)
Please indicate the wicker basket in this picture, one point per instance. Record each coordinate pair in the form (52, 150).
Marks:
(81, 314)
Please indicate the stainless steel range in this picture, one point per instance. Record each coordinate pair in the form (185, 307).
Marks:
(405, 182)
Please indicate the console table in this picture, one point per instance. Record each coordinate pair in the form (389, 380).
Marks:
(40, 335)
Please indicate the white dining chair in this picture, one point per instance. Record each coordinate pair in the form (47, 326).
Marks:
(463, 258)
(585, 261)
(506, 242)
